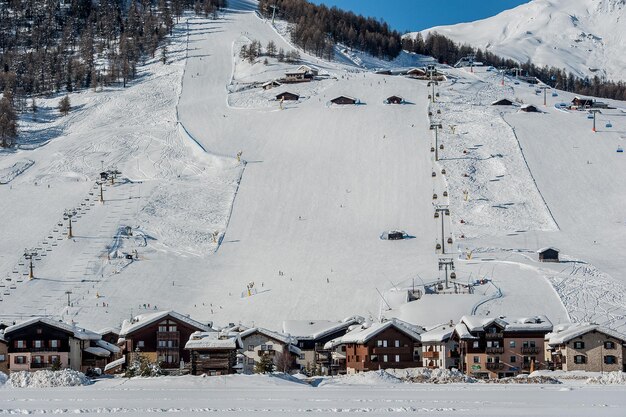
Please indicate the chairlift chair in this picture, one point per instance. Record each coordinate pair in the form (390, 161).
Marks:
(609, 124)
(555, 94)
(450, 240)
(620, 149)
(436, 215)
(438, 246)
(434, 196)
(453, 275)
(443, 171)
(445, 193)
(432, 149)
(590, 116)
(434, 174)
(441, 146)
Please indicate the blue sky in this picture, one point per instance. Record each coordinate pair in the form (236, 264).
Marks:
(413, 15)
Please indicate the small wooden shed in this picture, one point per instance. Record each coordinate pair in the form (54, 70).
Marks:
(212, 354)
(286, 95)
(502, 102)
(416, 72)
(529, 108)
(582, 102)
(344, 100)
(270, 84)
(395, 100)
(548, 254)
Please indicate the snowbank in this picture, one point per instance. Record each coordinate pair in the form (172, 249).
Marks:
(526, 379)
(608, 378)
(3, 378)
(47, 379)
(431, 376)
(397, 376)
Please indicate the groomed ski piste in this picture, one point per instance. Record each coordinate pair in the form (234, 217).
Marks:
(301, 214)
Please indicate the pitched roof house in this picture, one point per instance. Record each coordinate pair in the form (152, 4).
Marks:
(213, 353)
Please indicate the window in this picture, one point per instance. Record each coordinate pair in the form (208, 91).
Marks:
(358, 358)
(2, 358)
(39, 330)
(489, 359)
(580, 359)
(250, 348)
(397, 343)
(21, 344)
(374, 358)
(251, 361)
(20, 359)
(385, 359)
(579, 345)
(511, 343)
(140, 344)
(397, 358)
(302, 356)
(384, 343)
(38, 359)
(270, 347)
(489, 343)
(379, 343)
(476, 359)
(513, 359)
(609, 345)
(161, 343)
(610, 360)
(38, 344)
(55, 343)
(54, 359)
(476, 344)
(172, 343)
(162, 328)
(263, 347)
(531, 343)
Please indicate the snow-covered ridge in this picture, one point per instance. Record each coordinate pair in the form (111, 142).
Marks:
(585, 37)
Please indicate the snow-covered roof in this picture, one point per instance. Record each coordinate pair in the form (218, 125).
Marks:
(119, 362)
(115, 330)
(147, 319)
(108, 346)
(315, 329)
(344, 96)
(77, 332)
(508, 324)
(566, 332)
(363, 334)
(437, 334)
(211, 340)
(271, 82)
(98, 351)
(463, 332)
(279, 337)
(547, 248)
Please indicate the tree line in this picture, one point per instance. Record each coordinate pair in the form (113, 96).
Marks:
(445, 50)
(49, 46)
(317, 29)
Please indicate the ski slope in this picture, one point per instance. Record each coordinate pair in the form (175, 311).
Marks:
(301, 215)
(584, 37)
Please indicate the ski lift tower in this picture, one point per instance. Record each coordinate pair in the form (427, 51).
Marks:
(69, 213)
(593, 112)
(444, 264)
(436, 127)
(29, 254)
(444, 210)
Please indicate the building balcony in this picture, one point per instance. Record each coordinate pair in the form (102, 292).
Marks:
(168, 335)
(390, 350)
(430, 355)
(494, 350)
(491, 336)
(530, 350)
(494, 366)
(40, 365)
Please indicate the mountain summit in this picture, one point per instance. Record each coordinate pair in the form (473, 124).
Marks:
(586, 37)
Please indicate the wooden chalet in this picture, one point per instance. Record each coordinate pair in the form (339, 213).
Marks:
(582, 102)
(312, 336)
(42, 343)
(286, 95)
(394, 100)
(417, 73)
(160, 337)
(548, 254)
(258, 342)
(212, 353)
(309, 71)
(341, 100)
(499, 347)
(502, 102)
(391, 344)
(529, 108)
(270, 84)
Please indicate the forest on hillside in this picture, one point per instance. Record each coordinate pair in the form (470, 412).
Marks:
(51, 46)
(317, 29)
(445, 50)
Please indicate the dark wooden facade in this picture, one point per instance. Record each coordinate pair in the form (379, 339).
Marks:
(502, 102)
(39, 344)
(582, 102)
(343, 100)
(213, 361)
(390, 348)
(287, 96)
(529, 109)
(162, 341)
(549, 255)
(4, 356)
(395, 100)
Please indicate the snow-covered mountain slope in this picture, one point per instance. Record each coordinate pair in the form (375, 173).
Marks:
(586, 37)
(320, 185)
